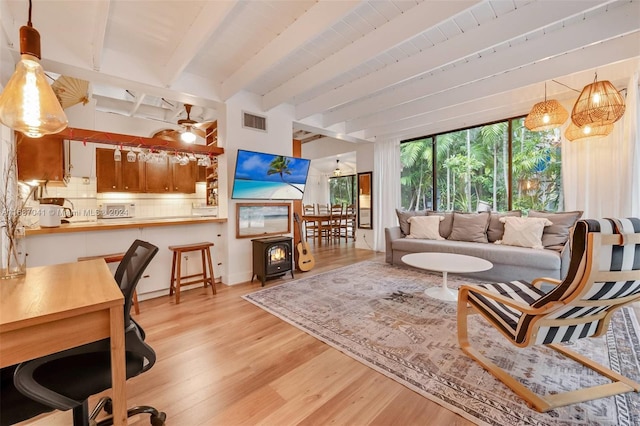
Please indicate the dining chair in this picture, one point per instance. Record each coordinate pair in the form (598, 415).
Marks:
(322, 208)
(348, 222)
(310, 227)
(604, 275)
(336, 216)
(65, 380)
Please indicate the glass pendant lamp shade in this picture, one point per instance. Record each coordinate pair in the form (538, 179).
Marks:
(545, 116)
(188, 136)
(28, 103)
(599, 103)
(574, 132)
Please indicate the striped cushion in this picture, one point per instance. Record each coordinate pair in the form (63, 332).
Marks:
(612, 258)
(624, 257)
(501, 315)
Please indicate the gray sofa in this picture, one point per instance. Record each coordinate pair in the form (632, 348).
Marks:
(509, 262)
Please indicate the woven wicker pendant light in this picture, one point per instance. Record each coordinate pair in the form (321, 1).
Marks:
(599, 103)
(546, 115)
(574, 132)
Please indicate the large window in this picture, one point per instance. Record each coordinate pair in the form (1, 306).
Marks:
(342, 190)
(498, 166)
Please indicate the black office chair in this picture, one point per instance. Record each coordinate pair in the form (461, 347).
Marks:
(14, 406)
(67, 379)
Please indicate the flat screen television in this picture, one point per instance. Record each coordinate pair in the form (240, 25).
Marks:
(262, 176)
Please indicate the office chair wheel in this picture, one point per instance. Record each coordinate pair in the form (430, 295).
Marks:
(159, 419)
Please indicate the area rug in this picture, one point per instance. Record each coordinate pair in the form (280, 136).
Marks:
(378, 314)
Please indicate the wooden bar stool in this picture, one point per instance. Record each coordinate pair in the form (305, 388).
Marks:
(176, 268)
(112, 258)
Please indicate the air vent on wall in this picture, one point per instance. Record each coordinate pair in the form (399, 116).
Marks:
(253, 121)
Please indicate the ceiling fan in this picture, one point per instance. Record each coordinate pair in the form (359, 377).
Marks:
(190, 129)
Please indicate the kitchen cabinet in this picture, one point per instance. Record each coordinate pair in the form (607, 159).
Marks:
(201, 174)
(41, 158)
(157, 176)
(183, 178)
(167, 176)
(117, 176)
(148, 177)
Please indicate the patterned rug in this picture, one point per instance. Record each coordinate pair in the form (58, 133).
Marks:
(378, 314)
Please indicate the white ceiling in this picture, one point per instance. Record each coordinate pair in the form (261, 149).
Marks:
(362, 69)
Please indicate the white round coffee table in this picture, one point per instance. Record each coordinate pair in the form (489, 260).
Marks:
(445, 263)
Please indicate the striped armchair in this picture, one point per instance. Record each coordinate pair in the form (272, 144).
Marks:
(604, 274)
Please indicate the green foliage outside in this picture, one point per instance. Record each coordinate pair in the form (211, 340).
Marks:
(342, 190)
(472, 170)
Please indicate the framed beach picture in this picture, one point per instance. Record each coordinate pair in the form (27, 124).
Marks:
(260, 219)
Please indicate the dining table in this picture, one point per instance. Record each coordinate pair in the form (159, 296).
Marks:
(56, 307)
(323, 221)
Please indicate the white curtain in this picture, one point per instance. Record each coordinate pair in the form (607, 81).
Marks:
(601, 176)
(386, 188)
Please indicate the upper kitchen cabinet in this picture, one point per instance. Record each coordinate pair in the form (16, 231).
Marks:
(117, 176)
(157, 176)
(184, 177)
(166, 176)
(41, 159)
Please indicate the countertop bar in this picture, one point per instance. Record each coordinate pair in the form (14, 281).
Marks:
(114, 224)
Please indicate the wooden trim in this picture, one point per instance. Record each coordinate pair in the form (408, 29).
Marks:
(107, 225)
(109, 138)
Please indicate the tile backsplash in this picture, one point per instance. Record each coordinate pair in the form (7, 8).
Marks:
(81, 192)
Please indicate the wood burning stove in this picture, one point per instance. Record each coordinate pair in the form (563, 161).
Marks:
(272, 257)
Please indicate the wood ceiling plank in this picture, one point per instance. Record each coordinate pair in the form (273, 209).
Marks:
(372, 44)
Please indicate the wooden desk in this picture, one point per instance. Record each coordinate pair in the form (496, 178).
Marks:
(58, 307)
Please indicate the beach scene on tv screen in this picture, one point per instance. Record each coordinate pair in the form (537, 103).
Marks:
(267, 176)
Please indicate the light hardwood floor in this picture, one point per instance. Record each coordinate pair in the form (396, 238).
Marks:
(223, 361)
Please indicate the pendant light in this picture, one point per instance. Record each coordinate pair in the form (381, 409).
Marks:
(27, 103)
(188, 136)
(337, 172)
(599, 103)
(546, 115)
(574, 132)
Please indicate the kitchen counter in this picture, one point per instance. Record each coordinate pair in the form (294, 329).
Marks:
(111, 224)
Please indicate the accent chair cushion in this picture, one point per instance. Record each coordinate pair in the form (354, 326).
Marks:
(557, 233)
(496, 228)
(426, 227)
(470, 227)
(523, 231)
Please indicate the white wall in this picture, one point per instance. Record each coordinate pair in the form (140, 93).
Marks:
(317, 190)
(277, 140)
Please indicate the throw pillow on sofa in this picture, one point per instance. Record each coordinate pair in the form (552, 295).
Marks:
(523, 231)
(445, 225)
(496, 228)
(403, 218)
(427, 227)
(561, 223)
(470, 227)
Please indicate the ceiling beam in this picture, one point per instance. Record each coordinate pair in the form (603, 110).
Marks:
(136, 105)
(613, 24)
(407, 25)
(328, 133)
(312, 23)
(591, 57)
(210, 18)
(530, 17)
(136, 86)
(99, 32)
